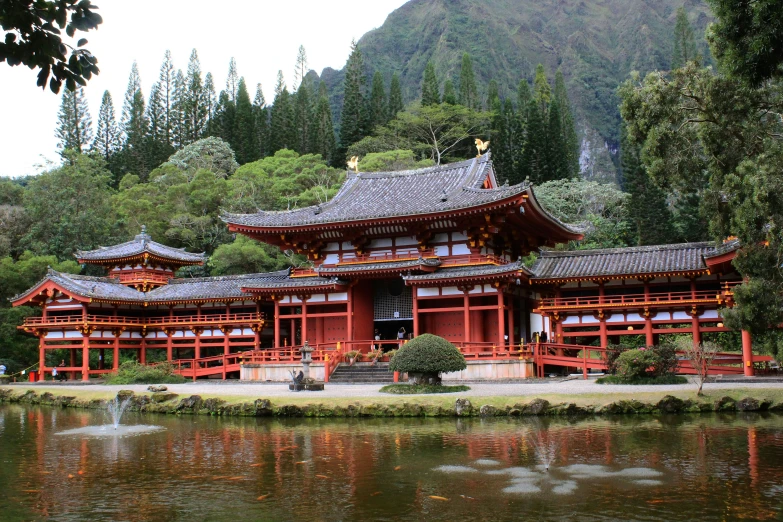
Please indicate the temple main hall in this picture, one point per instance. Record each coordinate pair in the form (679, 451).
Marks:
(393, 255)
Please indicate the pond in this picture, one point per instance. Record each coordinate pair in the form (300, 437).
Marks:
(706, 467)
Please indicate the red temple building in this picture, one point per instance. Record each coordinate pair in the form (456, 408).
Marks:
(435, 250)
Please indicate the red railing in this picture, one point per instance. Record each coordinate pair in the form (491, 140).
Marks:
(375, 257)
(473, 259)
(584, 358)
(143, 321)
(141, 275)
(610, 301)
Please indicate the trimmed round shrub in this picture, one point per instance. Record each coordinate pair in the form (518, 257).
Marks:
(425, 357)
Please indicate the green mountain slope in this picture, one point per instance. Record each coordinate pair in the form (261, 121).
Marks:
(595, 42)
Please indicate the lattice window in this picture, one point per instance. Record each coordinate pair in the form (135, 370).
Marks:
(392, 300)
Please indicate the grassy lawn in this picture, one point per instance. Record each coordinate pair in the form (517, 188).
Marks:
(444, 401)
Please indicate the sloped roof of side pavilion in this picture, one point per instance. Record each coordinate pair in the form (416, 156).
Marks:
(370, 196)
(138, 246)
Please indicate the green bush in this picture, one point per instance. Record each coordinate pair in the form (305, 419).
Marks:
(652, 361)
(409, 389)
(660, 379)
(133, 372)
(426, 357)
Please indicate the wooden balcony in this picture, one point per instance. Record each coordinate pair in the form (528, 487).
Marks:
(144, 276)
(109, 321)
(652, 300)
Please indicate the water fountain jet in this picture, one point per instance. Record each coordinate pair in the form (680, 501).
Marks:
(116, 408)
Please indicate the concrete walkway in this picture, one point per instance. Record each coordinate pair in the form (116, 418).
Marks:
(572, 387)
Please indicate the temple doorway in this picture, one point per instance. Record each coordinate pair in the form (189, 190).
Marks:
(388, 330)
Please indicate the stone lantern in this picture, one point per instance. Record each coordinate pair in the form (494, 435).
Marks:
(307, 358)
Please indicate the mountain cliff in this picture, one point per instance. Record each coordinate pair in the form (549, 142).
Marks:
(596, 43)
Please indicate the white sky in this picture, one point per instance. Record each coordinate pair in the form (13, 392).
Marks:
(263, 36)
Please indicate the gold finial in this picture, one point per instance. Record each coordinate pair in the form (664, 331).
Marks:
(353, 163)
(481, 146)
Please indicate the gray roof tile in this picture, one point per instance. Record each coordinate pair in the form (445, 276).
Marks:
(370, 195)
(140, 244)
(469, 271)
(412, 264)
(622, 261)
(195, 289)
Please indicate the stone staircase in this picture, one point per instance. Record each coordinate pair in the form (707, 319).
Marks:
(362, 373)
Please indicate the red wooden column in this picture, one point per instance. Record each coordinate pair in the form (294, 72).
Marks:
(304, 318)
(501, 317)
(415, 291)
(85, 356)
(695, 327)
(511, 311)
(349, 326)
(115, 355)
(277, 322)
(747, 354)
(466, 315)
(169, 344)
(41, 354)
(602, 331)
(648, 328)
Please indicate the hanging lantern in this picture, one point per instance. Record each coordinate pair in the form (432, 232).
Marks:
(720, 325)
(630, 328)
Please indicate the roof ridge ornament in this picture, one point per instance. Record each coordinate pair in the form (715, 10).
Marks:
(444, 197)
(353, 163)
(481, 146)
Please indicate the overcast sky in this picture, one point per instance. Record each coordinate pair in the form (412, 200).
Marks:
(262, 36)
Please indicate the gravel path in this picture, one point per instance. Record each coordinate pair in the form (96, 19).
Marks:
(572, 387)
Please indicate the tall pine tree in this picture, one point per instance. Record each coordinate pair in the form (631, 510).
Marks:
(568, 126)
(232, 80)
(134, 126)
(300, 71)
(302, 118)
(210, 102)
(281, 135)
(533, 156)
(468, 92)
(353, 118)
(244, 144)
(261, 113)
(177, 120)
(556, 160)
(430, 91)
(323, 131)
(395, 96)
(648, 212)
(194, 105)
(74, 125)
(542, 92)
(449, 94)
(378, 110)
(157, 147)
(684, 41)
(107, 134)
(166, 87)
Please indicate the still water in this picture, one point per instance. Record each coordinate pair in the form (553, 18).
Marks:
(716, 467)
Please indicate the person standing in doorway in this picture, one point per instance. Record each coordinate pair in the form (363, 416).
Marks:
(401, 335)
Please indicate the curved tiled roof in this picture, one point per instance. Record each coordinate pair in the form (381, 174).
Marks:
(725, 248)
(682, 257)
(410, 264)
(195, 289)
(108, 288)
(219, 287)
(140, 244)
(372, 195)
(469, 271)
